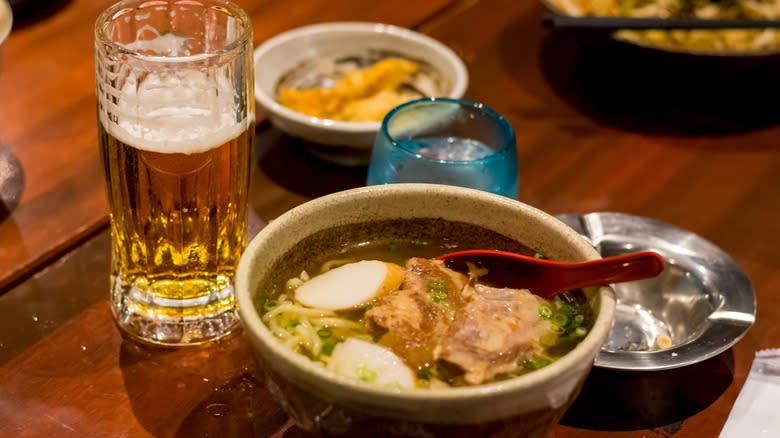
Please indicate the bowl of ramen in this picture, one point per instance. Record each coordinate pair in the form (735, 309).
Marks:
(332, 83)
(710, 41)
(360, 331)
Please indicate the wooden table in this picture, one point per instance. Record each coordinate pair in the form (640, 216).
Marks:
(601, 126)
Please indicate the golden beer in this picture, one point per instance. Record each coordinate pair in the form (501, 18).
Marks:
(178, 222)
(175, 132)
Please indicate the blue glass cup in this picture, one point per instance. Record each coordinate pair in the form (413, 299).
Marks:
(446, 141)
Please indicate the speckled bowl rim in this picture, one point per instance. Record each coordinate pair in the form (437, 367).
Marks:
(279, 110)
(284, 357)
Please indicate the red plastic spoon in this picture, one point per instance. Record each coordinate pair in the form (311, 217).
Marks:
(548, 278)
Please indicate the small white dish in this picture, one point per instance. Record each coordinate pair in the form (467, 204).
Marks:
(281, 54)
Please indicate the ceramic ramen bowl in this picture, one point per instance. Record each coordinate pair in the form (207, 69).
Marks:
(333, 405)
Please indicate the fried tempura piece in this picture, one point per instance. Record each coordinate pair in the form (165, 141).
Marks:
(359, 96)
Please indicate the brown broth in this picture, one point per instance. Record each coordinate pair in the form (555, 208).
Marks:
(396, 241)
(393, 240)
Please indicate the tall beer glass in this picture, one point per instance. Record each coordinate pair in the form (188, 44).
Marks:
(175, 103)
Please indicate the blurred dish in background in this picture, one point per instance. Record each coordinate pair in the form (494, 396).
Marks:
(712, 9)
(345, 71)
(725, 41)
(6, 20)
(743, 42)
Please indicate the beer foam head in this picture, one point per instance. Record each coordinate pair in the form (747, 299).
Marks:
(173, 110)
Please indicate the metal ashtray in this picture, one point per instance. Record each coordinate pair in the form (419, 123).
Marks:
(700, 305)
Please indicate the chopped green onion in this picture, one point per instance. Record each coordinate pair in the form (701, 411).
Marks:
(579, 318)
(423, 383)
(548, 339)
(545, 311)
(580, 332)
(393, 385)
(270, 305)
(431, 372)
(535, 363)
(437, 289)
(324, 333)
(541, 362)
(364, 337)
(418, 242)
(327, 348)
(366, 374)
(371, 305)
(291, 326)
(559, 319)
(566, 310)
(539, 256)
(437, 285)
(438, 296)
